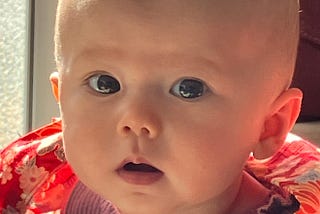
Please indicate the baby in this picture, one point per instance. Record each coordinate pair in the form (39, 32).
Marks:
(162, 102)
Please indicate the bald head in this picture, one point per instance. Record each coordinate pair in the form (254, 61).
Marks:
(249, 30)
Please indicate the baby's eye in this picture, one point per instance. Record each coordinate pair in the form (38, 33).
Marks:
(189, 88)
(104, 84)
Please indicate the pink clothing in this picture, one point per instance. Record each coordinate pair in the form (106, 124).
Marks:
(36, 178)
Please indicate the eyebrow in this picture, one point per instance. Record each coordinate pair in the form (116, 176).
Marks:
(99, 51)
(207, 67)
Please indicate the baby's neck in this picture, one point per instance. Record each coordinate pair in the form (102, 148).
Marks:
(251, 195)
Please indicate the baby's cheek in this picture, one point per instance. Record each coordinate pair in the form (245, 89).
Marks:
(76, 144)
(79, 161)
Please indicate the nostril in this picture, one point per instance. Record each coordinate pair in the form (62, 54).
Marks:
(136, 129)
(142, 131)
(126, 129)
(145, 131)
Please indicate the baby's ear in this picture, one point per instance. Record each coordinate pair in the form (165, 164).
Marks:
(283, 115)
(54, 79)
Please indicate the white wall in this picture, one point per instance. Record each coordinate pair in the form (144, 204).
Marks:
(14, 67)
(44, 106)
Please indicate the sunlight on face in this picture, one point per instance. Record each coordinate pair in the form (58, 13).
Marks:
(162, 103)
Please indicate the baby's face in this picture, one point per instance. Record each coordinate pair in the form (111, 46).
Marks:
(162, 101)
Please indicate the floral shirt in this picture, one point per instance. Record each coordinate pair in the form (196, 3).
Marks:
(36, 178)
(295, 168)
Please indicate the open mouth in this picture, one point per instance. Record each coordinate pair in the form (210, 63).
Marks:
(141, 167)
(139, 173)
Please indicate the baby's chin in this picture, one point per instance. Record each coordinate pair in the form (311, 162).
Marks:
(143, 207)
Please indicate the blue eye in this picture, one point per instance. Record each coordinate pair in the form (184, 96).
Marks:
(189, 88)
(104, 84)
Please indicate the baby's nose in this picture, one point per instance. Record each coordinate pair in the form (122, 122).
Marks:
(141, 120)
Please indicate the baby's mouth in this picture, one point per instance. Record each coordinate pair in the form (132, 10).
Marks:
(139, 173)
(140, 167)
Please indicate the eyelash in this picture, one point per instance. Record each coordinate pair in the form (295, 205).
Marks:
(187, 88)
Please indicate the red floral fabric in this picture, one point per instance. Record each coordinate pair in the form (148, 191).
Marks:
(295, 169)
(36, 178)
(34, 174)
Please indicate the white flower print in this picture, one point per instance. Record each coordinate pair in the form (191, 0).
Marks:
(6, 175)
(31, 177)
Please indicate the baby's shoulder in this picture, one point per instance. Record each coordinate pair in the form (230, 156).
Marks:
(295, 168)
(34, 174)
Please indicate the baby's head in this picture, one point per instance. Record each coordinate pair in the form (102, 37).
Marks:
(190, 88)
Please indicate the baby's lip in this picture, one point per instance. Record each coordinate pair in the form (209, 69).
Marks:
(138, 171)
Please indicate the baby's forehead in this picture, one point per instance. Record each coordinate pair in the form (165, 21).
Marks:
(259, 19)
(231, 16)
(226, 8)
(245, 27)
